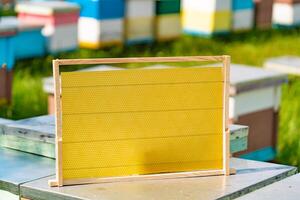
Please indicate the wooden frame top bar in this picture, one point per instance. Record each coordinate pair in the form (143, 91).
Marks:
(139, 60)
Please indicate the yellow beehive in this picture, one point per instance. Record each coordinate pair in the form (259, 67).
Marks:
(168, 26)
(211, 22)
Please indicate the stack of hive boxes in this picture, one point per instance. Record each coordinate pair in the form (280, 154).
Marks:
(60, 21)
(254, 101)
(140, 16)
(101, 23)
(243, 14)
(286, 13)
(263, 13)
(168, 21)
(203, 17)
(28, 33)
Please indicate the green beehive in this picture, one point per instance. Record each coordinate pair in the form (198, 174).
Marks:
(167, 7)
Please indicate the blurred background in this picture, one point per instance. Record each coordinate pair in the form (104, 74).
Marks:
(262, 37)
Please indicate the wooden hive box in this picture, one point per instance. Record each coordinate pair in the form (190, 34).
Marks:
(136, 124)
(168, 20)
(101, 23)
(215, 17)
(255, 101)
(33, 135)
(28, 33)
(263, 13)
(60, 21)
(242, 15)
(286, 13)
(140, 18)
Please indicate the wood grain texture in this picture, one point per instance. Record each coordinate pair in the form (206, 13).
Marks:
(58, 122)
(250, 176)
(95, 61)
(226, 134)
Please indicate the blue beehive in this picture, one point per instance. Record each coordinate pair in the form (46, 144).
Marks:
(29, 41)
(7, 32)
(101, 22)
(242, 14)
(101, 9)
(242, 4)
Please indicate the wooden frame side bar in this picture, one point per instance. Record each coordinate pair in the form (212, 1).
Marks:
(226, 134)
(58, 127)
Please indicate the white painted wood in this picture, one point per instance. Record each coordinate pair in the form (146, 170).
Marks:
(46, 7)
(62, 37)
(284, 64)
(21, 25)
(243, 19)
(251, 175)
(245, 77)
(253, 101)
(286, 14)
(206, 5)
(8, 196)
(94, 31)
(288, 189)
(140, 8)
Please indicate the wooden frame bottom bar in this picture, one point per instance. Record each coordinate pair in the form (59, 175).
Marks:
(54, 183)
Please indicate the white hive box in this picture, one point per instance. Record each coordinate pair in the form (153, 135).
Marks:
(60, 21)
(243, 14)
(243, 19)
(95, 33)
(254, 101)
(215, 16)
(286, 14)
(140, 15)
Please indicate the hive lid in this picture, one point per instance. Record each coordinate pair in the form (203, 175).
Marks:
(46, 7)
(244, 78)
(284, 64)
(7, 28)
(38, 128)
(22, 25)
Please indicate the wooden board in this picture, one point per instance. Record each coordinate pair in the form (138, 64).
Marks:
(250, 176)
(288, 188)
(130, 124)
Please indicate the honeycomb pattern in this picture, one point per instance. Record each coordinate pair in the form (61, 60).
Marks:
(141, 121)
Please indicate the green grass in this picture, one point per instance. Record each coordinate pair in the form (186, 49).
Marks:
(247, 48)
